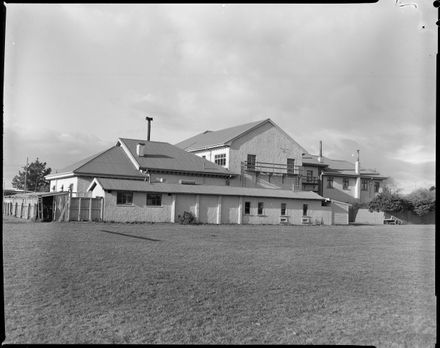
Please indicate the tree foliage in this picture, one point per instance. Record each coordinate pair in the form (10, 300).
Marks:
(387, 201)
(36, 171)
(420, 201)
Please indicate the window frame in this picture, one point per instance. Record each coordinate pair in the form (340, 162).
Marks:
(260, 208)
(155, 195)
(345, 183)
(251, 161)
(330, 180)
(364, 184)
(305, 209)
(247, 208)
(124, 194)
(220, 159)
(283, 209)
(290, 165)
(376, 186)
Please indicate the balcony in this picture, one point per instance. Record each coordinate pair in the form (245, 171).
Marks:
(269, 168)
(310, 180)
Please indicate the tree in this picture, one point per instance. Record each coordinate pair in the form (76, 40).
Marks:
(34, 173)
(422, 201)
(388, 201)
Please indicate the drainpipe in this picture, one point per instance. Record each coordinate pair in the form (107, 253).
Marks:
(357, 192)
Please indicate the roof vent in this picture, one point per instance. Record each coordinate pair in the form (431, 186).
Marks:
(187, 182)
(140, 149)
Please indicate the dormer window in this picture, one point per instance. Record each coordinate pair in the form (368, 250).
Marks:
(220, 159)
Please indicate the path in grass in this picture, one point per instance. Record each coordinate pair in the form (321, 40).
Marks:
(152, 283)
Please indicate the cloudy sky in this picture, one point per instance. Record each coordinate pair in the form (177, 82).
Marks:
(356, 76)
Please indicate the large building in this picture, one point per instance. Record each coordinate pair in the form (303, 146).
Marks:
(261, 154)
(138, 180)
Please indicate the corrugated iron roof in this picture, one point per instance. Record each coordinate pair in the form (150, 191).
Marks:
(216, 138)
(142, 186)
(164, 156)
(338, 167)
(112, 161)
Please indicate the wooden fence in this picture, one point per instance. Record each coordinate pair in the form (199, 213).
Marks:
(56, 207)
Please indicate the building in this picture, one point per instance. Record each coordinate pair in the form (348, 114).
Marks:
(138, 180)
(261, 154)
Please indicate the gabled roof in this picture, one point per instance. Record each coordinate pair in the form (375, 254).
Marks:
(166, 157)
(141, 186)
(209, 139)
(112, 161)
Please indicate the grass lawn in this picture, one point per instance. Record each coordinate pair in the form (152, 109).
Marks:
(164, 283)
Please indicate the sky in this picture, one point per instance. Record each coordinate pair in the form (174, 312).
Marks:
(354, 76)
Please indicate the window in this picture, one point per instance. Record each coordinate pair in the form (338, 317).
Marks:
(305, 207)
(260, 208)
(71, 187)
(330, 182)
(283, 208)
(62, 187)
(376, 186)
(124, 197)
(154, 199)
(220, 159)
(247, 208)
(251, 159)
(309, 174)
(345, 183)
(204, 156)
(364, 185)
(290, 166)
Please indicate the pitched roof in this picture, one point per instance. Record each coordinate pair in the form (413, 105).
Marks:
(112, 161)
(164, 156)
(341, 167)
(142, 186)
(209, 139)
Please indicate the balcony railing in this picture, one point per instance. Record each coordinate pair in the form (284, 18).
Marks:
(310, 180)
(270, 168)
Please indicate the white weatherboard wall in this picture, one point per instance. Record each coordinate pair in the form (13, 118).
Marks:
(230, 210)
(208, 210)
(185, 203)
(272, 211)
(268, 144)
(210, 154)
(138, 211)
(80, 184)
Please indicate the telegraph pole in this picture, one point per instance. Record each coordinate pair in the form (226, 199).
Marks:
(25, 174)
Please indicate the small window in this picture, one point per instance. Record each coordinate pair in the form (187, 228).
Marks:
(309, 174)
(220, 159)
(345, 183)
(247, 208)
(283, 208)
(376, 186)
(71, 187)
(260, 208)
(305, 208)
(124, 197)
(62, 187)
(154, 199)
(204, 156)
(290, 166)
(251, 160)
(364, 185)
(330, 182)
(53, 188)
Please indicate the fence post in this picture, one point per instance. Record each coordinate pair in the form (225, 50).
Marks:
(79, 209)
(102, 209)
(90, 209)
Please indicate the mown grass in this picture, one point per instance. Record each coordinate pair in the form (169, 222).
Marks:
(152, 283)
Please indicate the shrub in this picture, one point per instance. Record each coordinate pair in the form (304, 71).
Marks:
(186, 218)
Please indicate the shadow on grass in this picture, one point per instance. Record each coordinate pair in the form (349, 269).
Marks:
(131, 236)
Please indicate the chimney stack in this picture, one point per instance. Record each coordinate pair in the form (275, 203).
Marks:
(140, 149)
(357, 164)
(149, 119)
(320, 151)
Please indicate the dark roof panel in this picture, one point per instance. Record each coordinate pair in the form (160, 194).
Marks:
(164, 156)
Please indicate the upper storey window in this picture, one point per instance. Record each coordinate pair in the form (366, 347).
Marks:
(220, 159)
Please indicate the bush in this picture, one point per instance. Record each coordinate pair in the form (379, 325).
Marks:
(187, 218)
